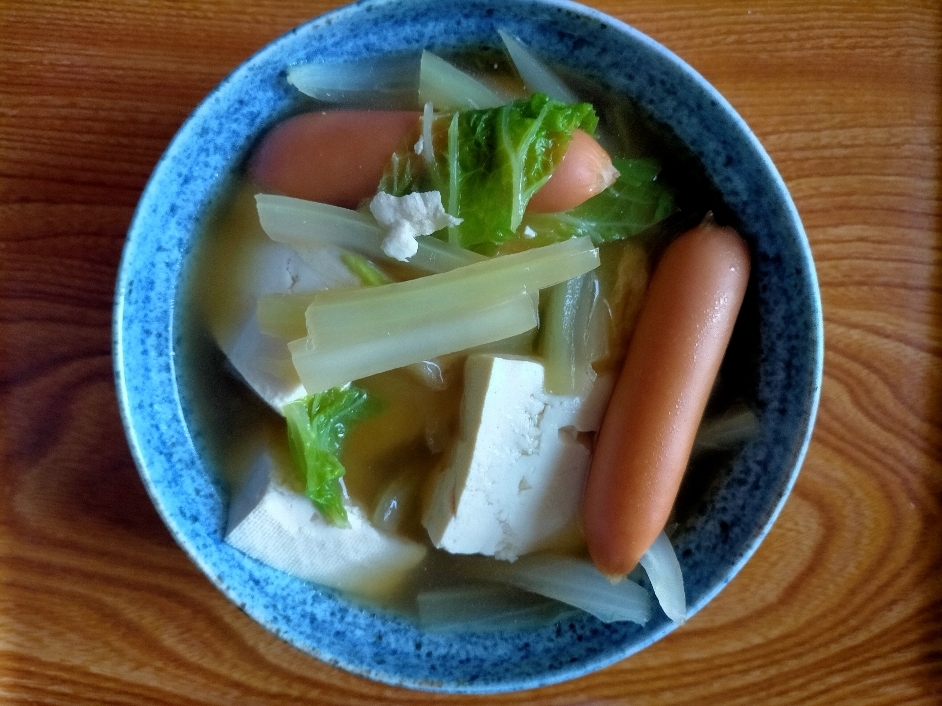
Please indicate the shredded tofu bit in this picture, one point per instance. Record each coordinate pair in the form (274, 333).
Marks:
(407, 217)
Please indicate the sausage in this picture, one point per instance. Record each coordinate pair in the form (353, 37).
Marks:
(585, 170)
(338, 157)
(334, 157)
(673, 357)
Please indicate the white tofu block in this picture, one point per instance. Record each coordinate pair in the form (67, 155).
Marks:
(264, 361)
(280, 527)
(515, 481)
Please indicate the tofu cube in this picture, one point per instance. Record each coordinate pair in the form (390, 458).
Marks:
(271, 522)
(264, 361)
(515, 480)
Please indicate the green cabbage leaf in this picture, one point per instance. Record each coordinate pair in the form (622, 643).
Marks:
(488, 163)
(317, 427)
(636, 201)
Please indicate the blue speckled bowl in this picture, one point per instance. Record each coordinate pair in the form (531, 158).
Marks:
(718, 530)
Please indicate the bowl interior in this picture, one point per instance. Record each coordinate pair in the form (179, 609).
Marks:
(723, 515)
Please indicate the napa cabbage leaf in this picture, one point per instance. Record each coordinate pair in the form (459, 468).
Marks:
(317, 427)
(488, 163)
(636, 201)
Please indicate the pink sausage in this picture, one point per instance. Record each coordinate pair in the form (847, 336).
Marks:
(338, 157)
(648, 431)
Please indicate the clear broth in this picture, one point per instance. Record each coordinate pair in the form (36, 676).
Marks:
(393, 446)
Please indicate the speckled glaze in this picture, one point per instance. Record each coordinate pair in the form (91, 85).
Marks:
(713, 543)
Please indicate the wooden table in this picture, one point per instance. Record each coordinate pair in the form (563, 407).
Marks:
(843, 602)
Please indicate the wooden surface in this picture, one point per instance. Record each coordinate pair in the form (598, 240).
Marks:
(843, 602)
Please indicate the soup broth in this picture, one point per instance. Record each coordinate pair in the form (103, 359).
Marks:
(392, 458)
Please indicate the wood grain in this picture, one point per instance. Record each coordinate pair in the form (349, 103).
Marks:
(843, 602)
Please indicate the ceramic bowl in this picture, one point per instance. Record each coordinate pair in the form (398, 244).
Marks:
(720, 522)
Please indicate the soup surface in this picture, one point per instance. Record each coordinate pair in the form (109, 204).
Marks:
(393, 459)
